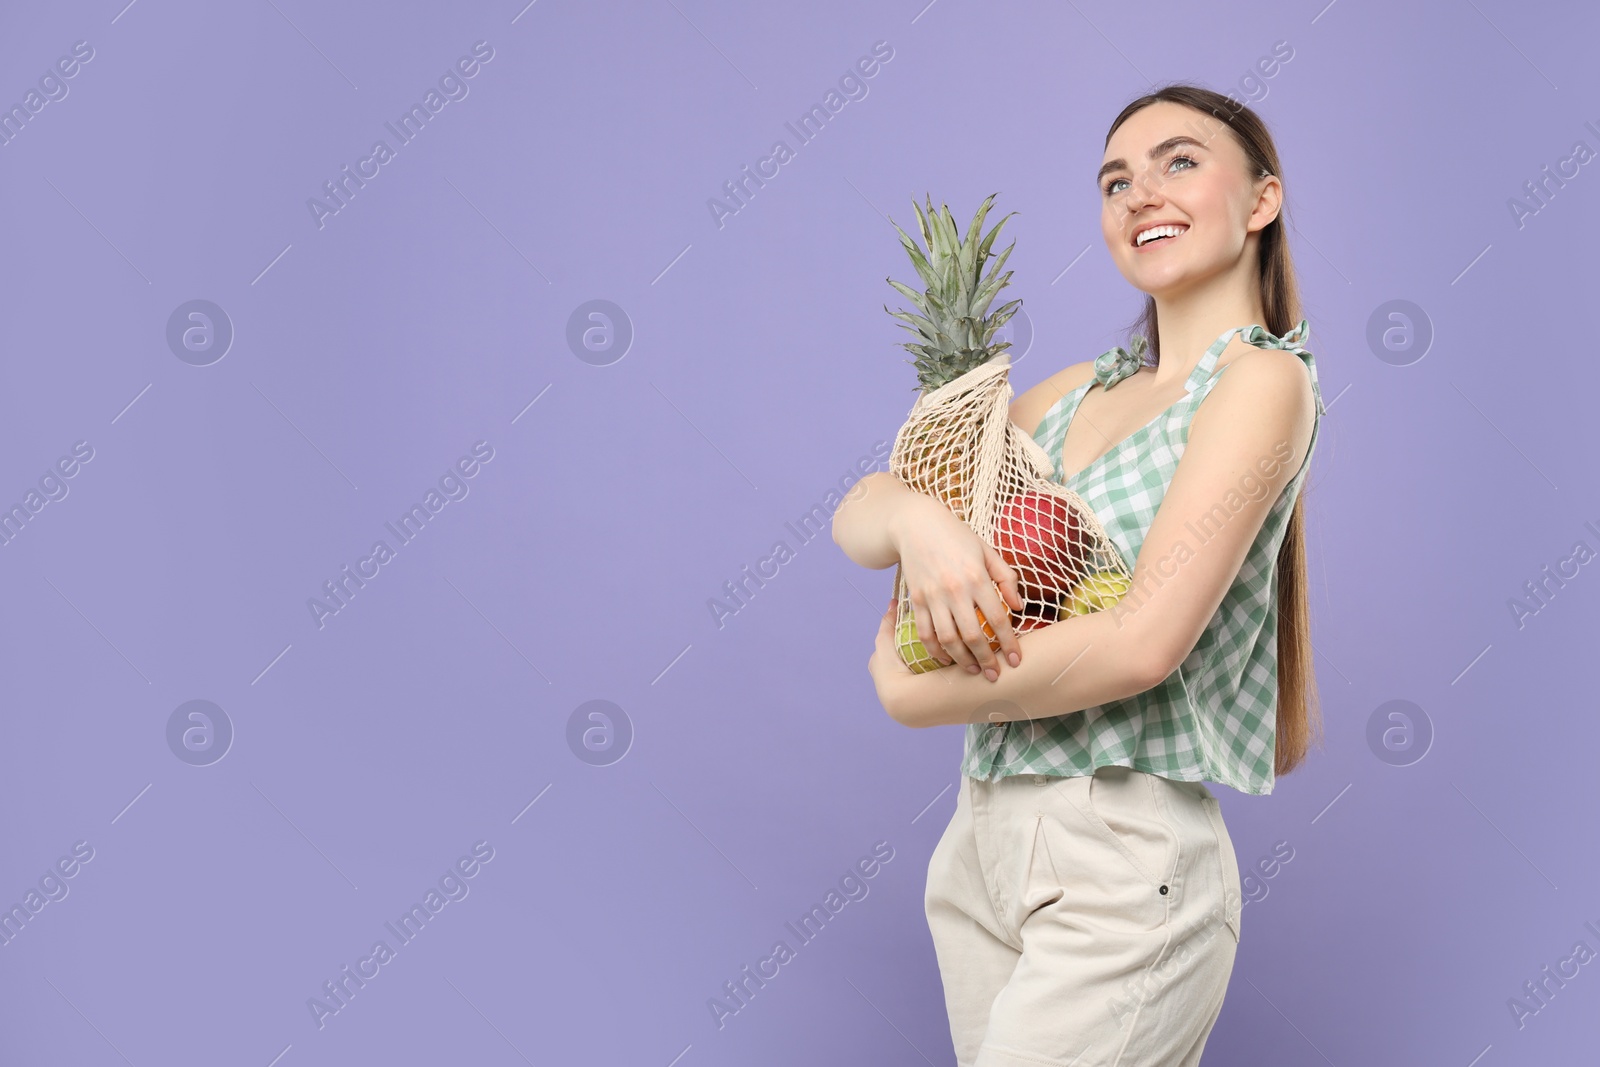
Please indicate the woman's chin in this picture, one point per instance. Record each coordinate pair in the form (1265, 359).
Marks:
(1164, 280)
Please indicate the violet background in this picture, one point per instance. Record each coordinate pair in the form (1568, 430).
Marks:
(433, 711)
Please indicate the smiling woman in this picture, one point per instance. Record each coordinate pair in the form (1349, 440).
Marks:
(1041, 905)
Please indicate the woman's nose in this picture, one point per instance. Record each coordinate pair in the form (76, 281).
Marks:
(1144, 193)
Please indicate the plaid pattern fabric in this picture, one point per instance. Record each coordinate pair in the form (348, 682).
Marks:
(1215, 718)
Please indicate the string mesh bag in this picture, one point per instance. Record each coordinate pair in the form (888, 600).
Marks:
(959, 445)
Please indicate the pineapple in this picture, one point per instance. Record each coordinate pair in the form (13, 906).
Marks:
(954, 328)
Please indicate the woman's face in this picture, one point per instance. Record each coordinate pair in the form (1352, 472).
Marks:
(1197, 180)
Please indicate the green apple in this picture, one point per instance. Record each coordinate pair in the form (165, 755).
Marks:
(1095, 593)
(913, 651)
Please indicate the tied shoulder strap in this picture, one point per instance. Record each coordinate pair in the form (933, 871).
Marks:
(1293, 341)
(1117, 363)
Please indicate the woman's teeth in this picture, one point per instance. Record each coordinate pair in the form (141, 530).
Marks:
(1156, 233)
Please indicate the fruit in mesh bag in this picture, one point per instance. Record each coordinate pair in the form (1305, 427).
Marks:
(1033, 616)
(959, 446)
(916, 654)
(938, 472)
(954, 331)
(1041, 538)
(1095, 593)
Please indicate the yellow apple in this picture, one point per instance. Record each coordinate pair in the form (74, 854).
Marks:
(1095, 593)
(913, 651)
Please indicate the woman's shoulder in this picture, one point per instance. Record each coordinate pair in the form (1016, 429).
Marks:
(1274, 375)
(1029, 409)
(1265, 400)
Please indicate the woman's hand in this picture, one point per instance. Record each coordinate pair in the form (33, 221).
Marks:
(950, 574)
(889, 672)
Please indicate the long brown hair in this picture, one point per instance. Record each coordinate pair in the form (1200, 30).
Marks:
(1299, 716)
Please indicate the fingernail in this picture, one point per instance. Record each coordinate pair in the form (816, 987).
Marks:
(989, 674)
(972, 668)
(1014, 659)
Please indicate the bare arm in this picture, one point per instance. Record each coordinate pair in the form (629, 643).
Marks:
(1246, 441)
(1083, 661)
(866, 525)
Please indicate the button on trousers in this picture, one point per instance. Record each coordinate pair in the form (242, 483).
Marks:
(1086, 921)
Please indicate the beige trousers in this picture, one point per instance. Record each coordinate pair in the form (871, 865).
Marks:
(1089, 921)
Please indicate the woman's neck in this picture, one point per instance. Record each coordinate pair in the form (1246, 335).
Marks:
(1188, 323)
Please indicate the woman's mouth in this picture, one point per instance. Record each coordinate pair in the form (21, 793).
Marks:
(1158, 235)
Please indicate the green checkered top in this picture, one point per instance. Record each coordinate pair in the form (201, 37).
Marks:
(1213, 719)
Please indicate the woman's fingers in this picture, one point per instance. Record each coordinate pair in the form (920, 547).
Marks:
(974, 641)
(967, 642)
(922, 615)
(1005, 575)
(947, 623)
(947, 641)
(1000, 622)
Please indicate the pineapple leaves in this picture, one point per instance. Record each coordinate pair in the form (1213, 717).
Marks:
(915, 323)
(955, 326)
(992, 284)
(983, 249)
(977, 220)
(922, 222)
(999, 319)
(909, 293)
(929, 276)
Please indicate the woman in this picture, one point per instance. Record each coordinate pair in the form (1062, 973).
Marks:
(1084, 900)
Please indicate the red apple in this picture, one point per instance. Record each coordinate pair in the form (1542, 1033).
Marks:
(1032, 622)
(1042, 539)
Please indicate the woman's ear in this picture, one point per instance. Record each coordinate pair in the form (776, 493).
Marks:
(1269, 202)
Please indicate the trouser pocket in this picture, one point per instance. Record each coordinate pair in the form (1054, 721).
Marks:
(1109, 850)
(1123, 803)
(1233, 889)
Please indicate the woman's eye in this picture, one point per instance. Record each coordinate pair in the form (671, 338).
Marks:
(1111, 186)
